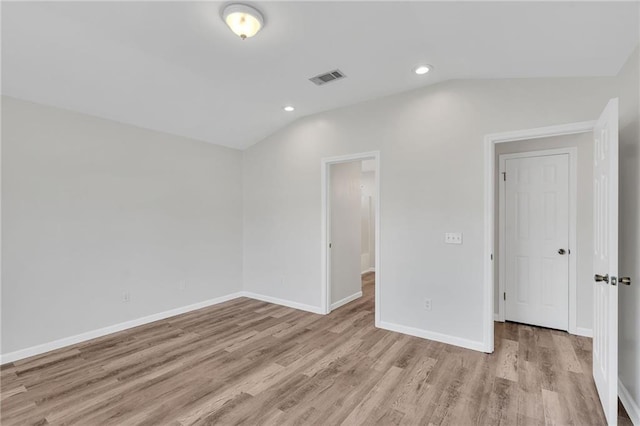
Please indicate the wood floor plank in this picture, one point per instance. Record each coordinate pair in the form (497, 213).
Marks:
(568, 357)
(252, 362)
(508, 360)
(408, 395)
(554, 412)
(367, 407)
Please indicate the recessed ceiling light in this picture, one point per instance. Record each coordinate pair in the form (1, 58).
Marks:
(288, 108)
(422, 69)
(243, 20)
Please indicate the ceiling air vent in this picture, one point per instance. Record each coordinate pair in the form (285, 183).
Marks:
(327, 77)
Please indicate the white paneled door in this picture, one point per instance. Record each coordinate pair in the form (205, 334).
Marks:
(536, 240)
(605, 260)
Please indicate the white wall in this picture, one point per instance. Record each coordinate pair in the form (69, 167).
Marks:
(584, 226)
(345, 231)
(431, 144)
(629, 243)
(368, 228)
(92, 209)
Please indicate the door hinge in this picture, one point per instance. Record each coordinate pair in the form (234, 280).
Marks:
(329, 245)
(504, 176)
(491, 256)
(504, 296)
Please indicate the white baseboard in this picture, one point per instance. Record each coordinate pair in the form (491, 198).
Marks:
(629, 404)
(367, 271)
(283, 302)
(586, 332)
(83, 337)
(67, 341)
(346, 300)
(496, 317)
(438, 337)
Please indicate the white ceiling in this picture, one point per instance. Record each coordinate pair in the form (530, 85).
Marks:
(175, 67)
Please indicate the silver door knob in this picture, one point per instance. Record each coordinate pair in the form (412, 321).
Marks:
(600, 278)
(625, 280)
(561, 251)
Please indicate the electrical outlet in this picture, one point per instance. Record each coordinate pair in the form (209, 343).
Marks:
(453, 238)
(182, 285)
(126, 296)
(427, 304)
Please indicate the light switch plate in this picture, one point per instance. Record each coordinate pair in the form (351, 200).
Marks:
(453, 238)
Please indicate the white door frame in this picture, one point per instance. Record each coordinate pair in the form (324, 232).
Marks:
(490, 142)
(573, 215)
(325, 287)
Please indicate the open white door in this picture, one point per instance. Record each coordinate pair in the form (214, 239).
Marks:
(605, 260)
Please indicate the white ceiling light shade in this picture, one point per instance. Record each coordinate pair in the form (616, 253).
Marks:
(289, 108)
(422, 69)
(245, 21)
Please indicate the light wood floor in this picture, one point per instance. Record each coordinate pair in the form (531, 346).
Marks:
(252, 362)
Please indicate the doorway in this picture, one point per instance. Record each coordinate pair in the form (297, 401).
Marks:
(603, 256)
(492, 296)
(350, 229)
(569, 300)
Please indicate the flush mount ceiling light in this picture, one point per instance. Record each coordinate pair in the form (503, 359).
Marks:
(422, 69)
(289, 108)
(243, 20)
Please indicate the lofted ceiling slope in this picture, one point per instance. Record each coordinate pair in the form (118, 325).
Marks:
(175, 67)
